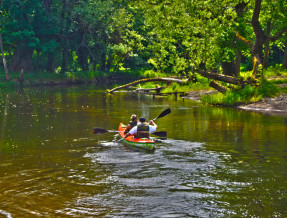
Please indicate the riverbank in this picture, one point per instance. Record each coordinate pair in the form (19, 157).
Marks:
(59, 80)
(275, 105)
(268, 105)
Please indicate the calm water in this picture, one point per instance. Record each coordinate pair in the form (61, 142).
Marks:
(215, 162)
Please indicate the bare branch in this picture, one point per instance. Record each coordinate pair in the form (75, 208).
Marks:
(278, 35)
(147, 80)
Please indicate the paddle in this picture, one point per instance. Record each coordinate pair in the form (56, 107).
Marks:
(164, 113)
(157, 133)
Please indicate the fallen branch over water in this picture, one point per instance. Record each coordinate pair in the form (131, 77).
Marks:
(228, 79)
(221, 77)
(168, 80)
(217, 86)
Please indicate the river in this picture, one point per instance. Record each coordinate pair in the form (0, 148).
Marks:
(215, 162)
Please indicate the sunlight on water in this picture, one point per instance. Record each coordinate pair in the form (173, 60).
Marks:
(8, 215)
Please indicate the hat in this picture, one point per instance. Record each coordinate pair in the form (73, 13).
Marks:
(142, 119)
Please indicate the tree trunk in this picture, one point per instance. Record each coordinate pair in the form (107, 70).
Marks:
(22, 59)
(256, 48)
(238, 61)
(229, 68)
(50, 62)
(267, 46)
(109, 62)
(4, 60)
(64, 67)
(103, 61)
(285, 56)
(82, 53)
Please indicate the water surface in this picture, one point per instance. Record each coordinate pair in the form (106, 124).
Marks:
(215, 161)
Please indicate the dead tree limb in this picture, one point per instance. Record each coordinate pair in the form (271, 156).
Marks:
(221, 77)
(147, 80)
(217, 86)
(228, 79)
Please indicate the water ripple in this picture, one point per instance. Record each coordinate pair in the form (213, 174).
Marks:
(176, 181)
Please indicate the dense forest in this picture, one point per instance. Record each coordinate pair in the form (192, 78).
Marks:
(180, 37)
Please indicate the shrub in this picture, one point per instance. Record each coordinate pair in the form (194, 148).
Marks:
(243, 96)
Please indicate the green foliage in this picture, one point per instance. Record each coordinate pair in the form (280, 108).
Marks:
(276, 70)
(92, 38)
(153, 74)
(267, 89)
(175, 87)
(243, 96)
(186, 34)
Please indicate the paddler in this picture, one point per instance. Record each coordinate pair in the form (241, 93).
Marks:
(143, 129)
(132, 123)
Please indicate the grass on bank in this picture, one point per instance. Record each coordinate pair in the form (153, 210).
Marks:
(234, 96)
(267, 88)
(243, 96)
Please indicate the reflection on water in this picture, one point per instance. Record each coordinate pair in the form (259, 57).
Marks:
(215, 161)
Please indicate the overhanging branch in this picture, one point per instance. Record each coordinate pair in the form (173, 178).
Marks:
(147, 80)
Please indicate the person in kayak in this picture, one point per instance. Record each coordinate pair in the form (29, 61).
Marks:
(143, 129)
(132, 123)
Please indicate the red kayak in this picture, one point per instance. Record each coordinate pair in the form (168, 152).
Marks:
(145, 143)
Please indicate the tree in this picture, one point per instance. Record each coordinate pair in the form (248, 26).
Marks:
(109, 34)
(4, 60)
(201, 35)
(262, 37)
(28, 31)
(285, 56)
(3, 18)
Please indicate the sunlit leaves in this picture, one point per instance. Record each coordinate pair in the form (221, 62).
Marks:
(188, 33)
(203, 32)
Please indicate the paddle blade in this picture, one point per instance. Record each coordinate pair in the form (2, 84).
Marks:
(162, 134)
(120, 140)
(164, 113)
(99, 130)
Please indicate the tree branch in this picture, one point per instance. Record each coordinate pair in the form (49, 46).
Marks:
(221, 77)
(147, 80)
(217, 86)
(241, 38)
(278, 35)
(255, 20)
